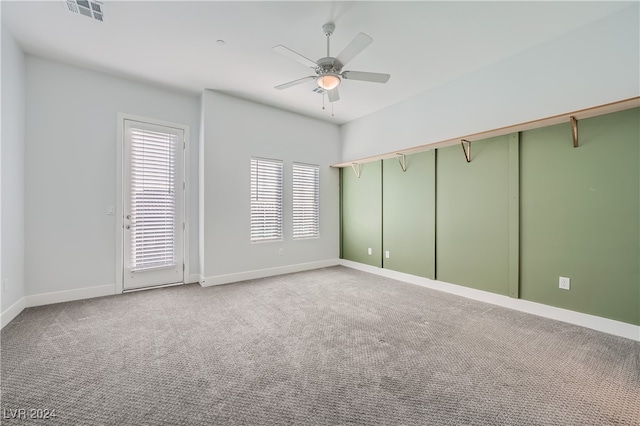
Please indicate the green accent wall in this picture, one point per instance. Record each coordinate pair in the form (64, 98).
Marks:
(362, 214)
(580, 216)
(472, 211)
(528, 209)
(408, 214)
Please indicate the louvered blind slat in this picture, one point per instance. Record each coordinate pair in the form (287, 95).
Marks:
(266, 199)
(153, 199)
(306, 200)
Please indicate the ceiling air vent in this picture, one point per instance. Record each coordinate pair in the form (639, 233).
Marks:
(90, 8)
(319, 90)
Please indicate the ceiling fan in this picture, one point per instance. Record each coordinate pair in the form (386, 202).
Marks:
(329, 73)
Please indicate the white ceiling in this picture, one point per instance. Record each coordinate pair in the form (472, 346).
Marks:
(422, 44)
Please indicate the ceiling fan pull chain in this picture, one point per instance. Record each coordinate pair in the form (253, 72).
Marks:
(332, 109)
(323, 100)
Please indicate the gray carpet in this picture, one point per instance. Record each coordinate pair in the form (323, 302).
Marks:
(332, 346)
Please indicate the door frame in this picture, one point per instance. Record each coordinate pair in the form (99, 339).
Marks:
(119, 207)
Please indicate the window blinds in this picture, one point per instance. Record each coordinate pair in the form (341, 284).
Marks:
(266, 199)
(153, 199)
(306, 200)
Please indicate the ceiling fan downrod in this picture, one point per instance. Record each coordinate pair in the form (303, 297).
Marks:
(328, 30)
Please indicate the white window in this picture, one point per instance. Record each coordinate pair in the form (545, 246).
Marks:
(266, 199)
(306, 200)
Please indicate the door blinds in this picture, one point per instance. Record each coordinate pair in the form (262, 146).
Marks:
(153, 199)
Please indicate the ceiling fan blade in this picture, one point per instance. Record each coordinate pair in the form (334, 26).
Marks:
(333, 95)
(295, 82)
(285, 51)
(356, 46)
(366, 76)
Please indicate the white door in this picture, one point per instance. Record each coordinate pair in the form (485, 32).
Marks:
(153, 210)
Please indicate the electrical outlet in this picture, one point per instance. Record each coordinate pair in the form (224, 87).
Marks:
(280, 252)
(369, 251)
(386, 254)
(111, 210)
(5, 285)
(564, 283)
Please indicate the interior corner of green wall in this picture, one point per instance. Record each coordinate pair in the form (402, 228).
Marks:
(362, 214)
(340, 209)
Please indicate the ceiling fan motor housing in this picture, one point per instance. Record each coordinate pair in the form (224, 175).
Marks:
(328, 64)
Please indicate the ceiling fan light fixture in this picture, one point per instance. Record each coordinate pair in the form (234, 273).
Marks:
(328, 81)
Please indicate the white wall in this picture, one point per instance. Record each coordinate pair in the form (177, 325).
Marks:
(234, 130)
(12, 164)
(593, 65)
(70, 157)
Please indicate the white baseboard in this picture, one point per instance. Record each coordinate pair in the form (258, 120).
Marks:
(69, 295)
(54, 297)
(12, 311)
(605, 325)
(263, 273)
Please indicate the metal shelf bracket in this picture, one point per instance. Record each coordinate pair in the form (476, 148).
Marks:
(356, 169)
(574, 130)
(466, 149)
(402, 160)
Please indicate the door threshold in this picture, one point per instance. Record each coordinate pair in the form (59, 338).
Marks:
(151, 287)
